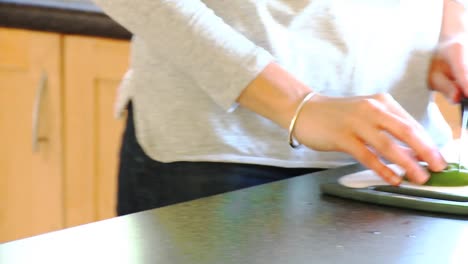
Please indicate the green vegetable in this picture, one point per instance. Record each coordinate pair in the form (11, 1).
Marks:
(449, 177)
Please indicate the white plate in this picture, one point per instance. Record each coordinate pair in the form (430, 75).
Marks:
(369, 178)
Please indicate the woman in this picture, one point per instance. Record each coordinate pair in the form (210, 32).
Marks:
(216, 89)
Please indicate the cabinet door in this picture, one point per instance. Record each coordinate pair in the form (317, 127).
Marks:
(93, 68)
(30, 180)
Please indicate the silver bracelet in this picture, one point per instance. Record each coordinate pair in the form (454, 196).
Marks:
(292, 142)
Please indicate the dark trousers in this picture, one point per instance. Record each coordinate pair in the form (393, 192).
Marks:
(145, 183)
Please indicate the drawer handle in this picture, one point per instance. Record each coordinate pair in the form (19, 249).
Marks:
(36, 112)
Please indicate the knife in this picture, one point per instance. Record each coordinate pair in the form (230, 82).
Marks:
(464, 118)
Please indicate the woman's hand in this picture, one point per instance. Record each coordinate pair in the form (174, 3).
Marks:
(448, 72)
(369, 128)
(365, 127)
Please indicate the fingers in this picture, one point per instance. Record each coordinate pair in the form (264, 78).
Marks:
(389, 121)
(394, 107)
(388, 148)
(441, 83)
(459, 66)
(417, 140)
(448, 73)
(410, 152)
(369, 159)
(406, 129)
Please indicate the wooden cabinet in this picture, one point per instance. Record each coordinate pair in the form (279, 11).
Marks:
(93, 69)
(61, 89)
(30, 180)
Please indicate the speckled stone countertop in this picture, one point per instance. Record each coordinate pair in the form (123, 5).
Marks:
(80, 17)
(288, 221)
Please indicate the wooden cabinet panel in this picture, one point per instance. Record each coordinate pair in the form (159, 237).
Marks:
(30, 182)
(71, 178)
(93, 70)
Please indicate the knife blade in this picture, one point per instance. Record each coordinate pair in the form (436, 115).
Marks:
(464, 115)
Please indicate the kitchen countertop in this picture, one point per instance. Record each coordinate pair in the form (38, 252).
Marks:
(288, 221)
(79, 17)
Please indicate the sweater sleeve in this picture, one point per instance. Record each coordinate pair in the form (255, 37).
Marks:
(220, 60)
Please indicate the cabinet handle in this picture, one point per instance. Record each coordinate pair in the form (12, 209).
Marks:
(36, 112)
